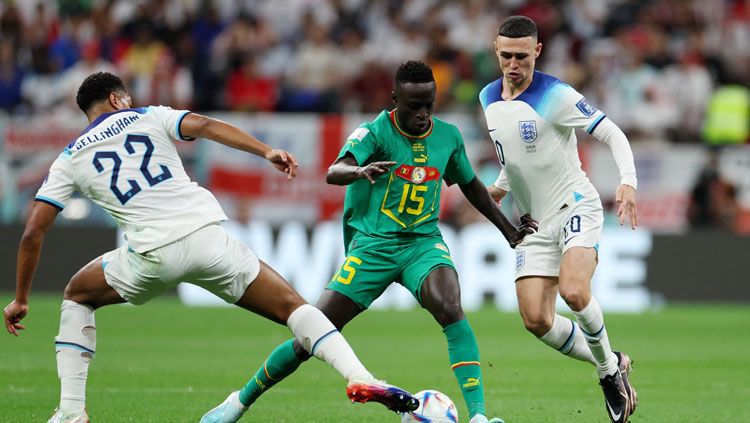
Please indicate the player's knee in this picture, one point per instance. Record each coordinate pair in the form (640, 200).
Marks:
(449, 313)
(537, 323)
(288, 304)
(72, 293)
(575, 296)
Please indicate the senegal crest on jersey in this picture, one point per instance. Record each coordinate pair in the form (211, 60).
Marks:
(417, 174)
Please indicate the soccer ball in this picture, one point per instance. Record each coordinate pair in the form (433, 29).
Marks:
(434, 407)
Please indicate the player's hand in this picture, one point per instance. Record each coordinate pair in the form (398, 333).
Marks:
(374, 170)
(528, 226)
(283, 161)
(13, 314)
(625, 198)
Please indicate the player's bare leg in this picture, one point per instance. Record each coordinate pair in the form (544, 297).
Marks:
(441, 296)
(536, 303)
(272, 297)
(576, 270)
(75, 344)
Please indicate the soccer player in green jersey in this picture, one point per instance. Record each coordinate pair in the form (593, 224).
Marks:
(394, 167)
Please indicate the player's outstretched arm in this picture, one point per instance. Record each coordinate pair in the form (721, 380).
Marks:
(199, 126)
(345, 170)
(40, 220)
(609, 133)
(481, 199)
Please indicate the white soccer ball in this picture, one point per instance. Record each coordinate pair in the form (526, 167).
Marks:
(434, 407)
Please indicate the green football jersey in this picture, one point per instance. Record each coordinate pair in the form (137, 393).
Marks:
(405, 201)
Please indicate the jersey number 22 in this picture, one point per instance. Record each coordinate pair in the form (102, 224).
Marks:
(135, 188)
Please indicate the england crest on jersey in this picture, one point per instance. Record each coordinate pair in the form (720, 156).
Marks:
(528, 130)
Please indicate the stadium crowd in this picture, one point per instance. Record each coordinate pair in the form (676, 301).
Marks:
(655, 66)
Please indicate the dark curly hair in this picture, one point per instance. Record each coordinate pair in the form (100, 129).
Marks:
(97, 87)
(415, 72)
(517, 27)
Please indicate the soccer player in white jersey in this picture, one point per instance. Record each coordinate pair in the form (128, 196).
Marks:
(531, 118)
(126, 162)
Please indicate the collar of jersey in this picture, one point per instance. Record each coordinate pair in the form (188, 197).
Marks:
(103, 116)
(392, 115)
(530, 92)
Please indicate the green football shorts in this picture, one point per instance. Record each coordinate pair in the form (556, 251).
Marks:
(374, 263)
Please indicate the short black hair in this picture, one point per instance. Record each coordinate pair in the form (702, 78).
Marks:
(415, 72)
(97, 87)
(517, 27)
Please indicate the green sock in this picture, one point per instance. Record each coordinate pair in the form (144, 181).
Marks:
(281, 363)
(464, 357)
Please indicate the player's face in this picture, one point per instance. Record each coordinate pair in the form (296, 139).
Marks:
(414, 106)
(517, 58)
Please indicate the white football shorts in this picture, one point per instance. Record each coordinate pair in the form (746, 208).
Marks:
(208, 257)
(577, 225)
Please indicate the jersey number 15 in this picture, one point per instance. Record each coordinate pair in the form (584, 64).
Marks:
(135, 188)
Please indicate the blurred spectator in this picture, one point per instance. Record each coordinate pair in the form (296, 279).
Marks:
(40, 88)
(728, 116)
(11, 24)
(245, 36)
(247, 90)
(141, 61)
(64, 51)
(690, 85)
(648, 110)
(713, 202)
(171, 83)
(11, 77)
(314, 75)
(206, 26)
(90, 62)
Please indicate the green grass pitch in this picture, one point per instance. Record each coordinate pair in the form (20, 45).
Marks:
(164, 362)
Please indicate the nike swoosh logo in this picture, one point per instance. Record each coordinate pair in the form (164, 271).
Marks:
(566, 241)
(615, 417)
(492, 130)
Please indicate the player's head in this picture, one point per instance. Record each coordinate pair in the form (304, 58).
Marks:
(517, 48)
(414, 97)
(105, 90)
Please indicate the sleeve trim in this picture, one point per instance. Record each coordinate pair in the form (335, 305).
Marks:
(49, 201)
(596, 123)
(177, 128)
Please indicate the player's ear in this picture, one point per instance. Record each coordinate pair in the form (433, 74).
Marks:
(114, 101)
(393, 97)
(537, 50)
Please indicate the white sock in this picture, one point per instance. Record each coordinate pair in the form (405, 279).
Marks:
(478, 418)
(320, 338)
(74, 345)
(565, 336)
(591, 322)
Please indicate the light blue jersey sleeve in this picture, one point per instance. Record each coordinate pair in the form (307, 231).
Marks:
(564, 106)
(170, 120)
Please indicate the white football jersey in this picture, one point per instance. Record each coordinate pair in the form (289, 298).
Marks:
(126, 162)
(535, 141)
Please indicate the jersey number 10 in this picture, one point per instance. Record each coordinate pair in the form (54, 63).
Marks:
(117, 163)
